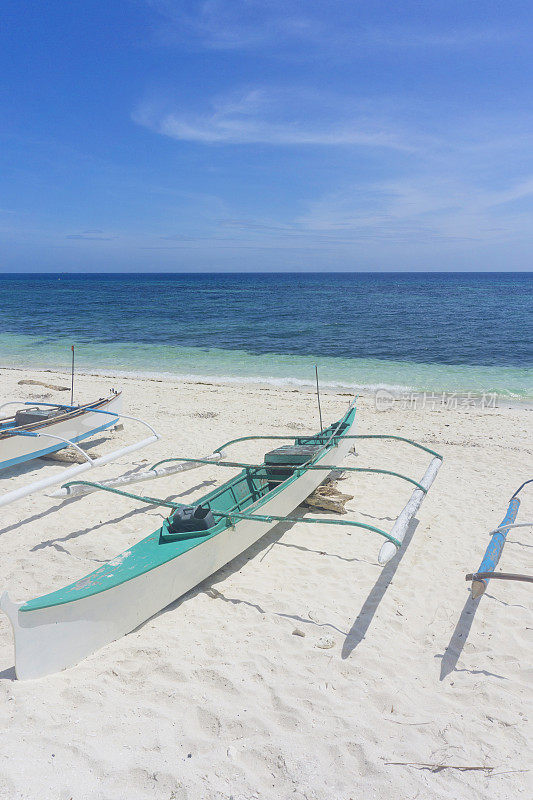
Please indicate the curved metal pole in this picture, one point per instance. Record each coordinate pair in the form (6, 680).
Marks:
(297, 470)
(154, 501)
(273, 517)
(508, 527)
(67, 442)
(347, 436)
(398, 439)
(125, 416)
(230, 515)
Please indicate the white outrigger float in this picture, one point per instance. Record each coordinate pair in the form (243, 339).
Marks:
(59, 629)
(38, 429)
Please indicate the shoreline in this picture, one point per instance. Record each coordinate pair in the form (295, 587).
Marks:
(390, 395)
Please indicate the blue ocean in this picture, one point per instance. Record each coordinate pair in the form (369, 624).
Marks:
(465, 332)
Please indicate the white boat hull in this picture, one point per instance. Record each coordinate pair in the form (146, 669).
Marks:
(51, 639)
(17, 449)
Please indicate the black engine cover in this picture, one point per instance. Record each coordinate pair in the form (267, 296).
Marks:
(191, 518)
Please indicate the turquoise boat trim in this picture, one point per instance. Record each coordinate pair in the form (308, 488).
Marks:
(325, 468)
(243, 492)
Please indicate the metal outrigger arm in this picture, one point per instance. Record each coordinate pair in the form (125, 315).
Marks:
(90, 463)
(389, 548)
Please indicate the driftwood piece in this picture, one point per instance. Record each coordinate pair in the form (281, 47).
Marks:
(28, 382)
(327, 496)
(440, 767)
(68, 456)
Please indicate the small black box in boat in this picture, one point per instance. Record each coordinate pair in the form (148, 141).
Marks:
(191, 518)
(27, 416)
(292, 455)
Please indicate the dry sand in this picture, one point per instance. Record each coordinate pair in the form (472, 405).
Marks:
(400, 687)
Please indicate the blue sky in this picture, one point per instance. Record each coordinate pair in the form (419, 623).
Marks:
(157, 135)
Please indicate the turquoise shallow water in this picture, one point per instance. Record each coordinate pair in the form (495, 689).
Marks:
(170, 361)
(463, 333)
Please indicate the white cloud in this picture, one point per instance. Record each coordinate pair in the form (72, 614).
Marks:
(268, 117)
(451, 178)
(236, 24)
(422, 209)
(90, 236)
(333, 28)
(456, 39)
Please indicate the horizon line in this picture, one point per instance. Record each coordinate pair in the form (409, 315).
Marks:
(166, 273)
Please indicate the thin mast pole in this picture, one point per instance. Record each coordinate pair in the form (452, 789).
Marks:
(72, 378)
(318, 398)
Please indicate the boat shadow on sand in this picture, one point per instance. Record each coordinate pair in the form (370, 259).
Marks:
(260, 549)
(40, 515)
(359, 629)
(56, 542)
(363, 620)
(459, 637)
(28, 467)
(236, 564)
(453, 651)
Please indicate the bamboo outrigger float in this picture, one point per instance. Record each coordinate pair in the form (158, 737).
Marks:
(485, 573)
(59, 629)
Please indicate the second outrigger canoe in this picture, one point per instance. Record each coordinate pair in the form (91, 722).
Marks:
(59, 629)
(38, 429)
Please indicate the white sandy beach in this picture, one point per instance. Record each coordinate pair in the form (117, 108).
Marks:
(394, 688)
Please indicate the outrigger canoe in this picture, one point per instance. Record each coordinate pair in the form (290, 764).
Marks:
(59, 629)
(54, 426)
(38, 429)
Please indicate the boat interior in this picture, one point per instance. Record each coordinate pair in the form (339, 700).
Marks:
(253, 483)
(30, 416)
(42, 414)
